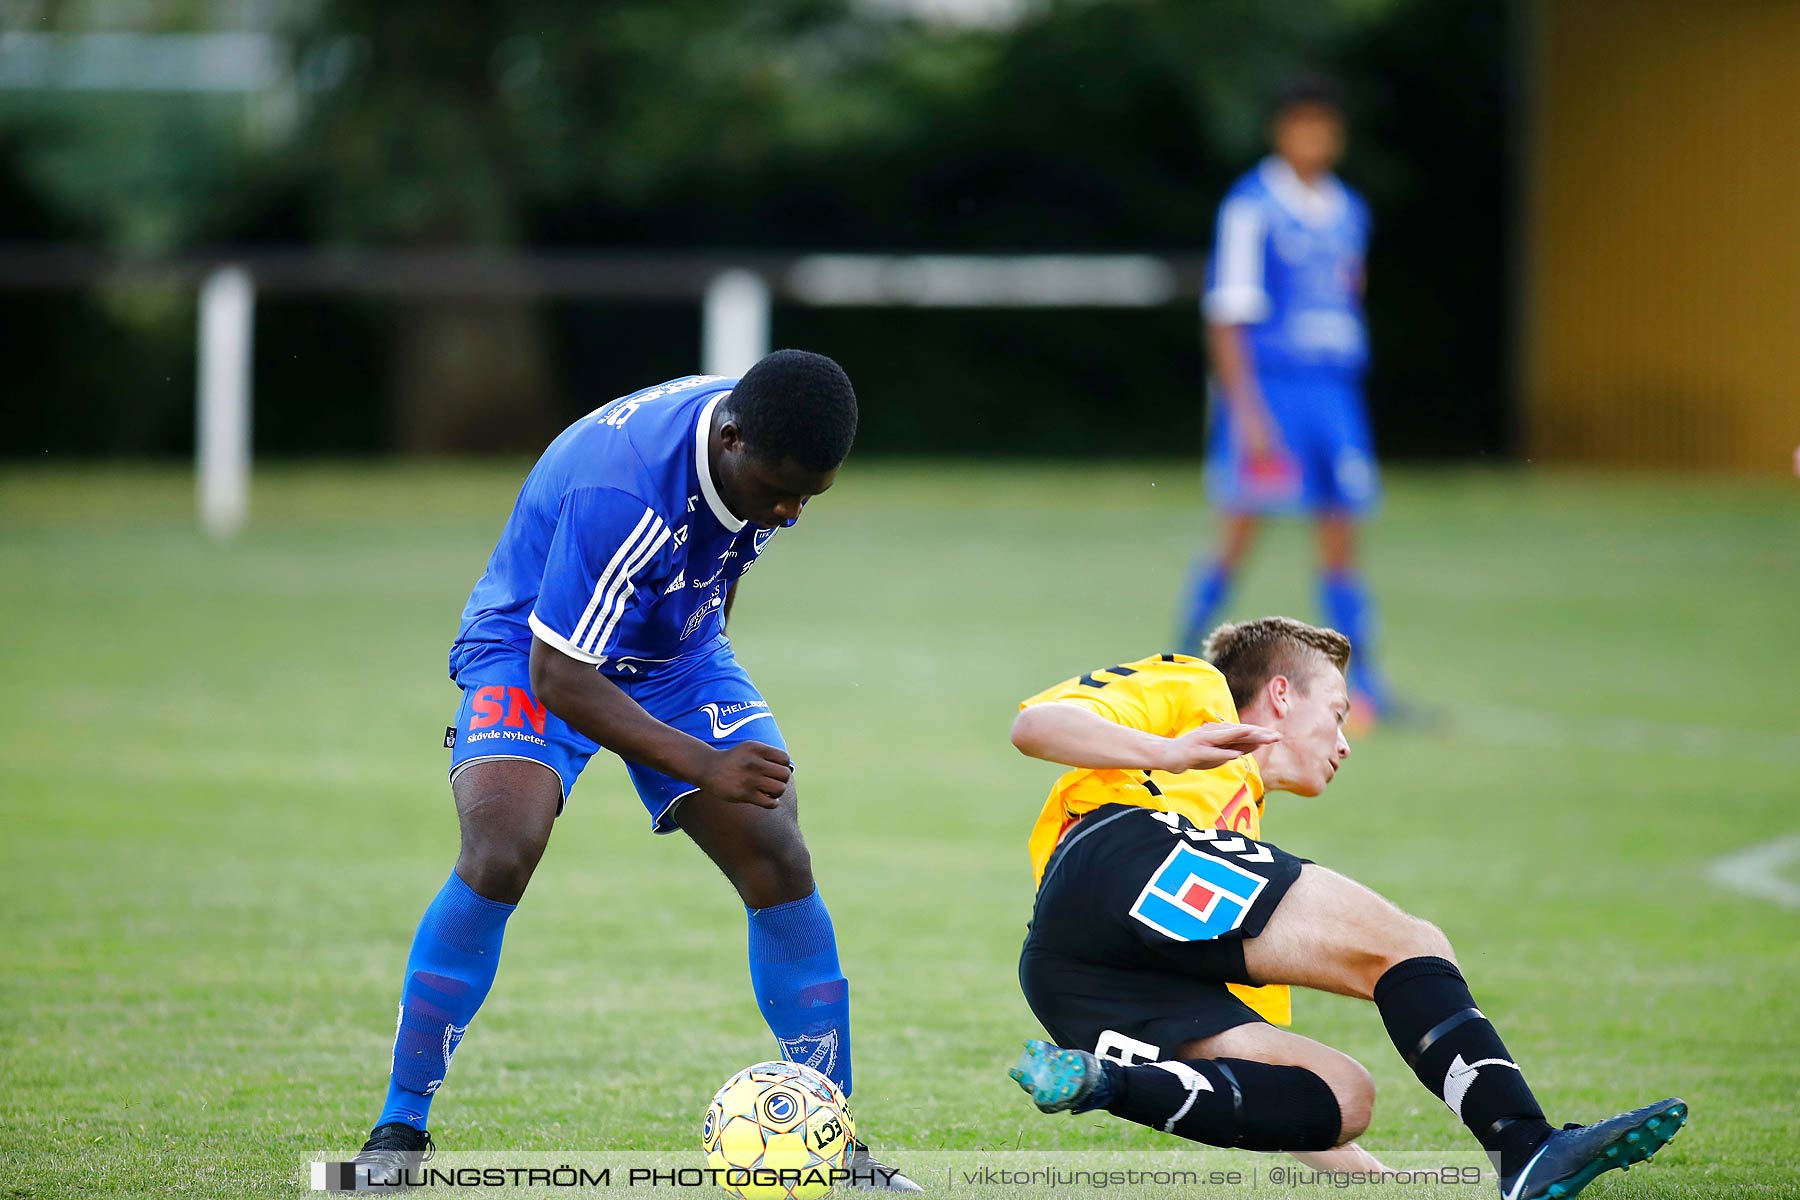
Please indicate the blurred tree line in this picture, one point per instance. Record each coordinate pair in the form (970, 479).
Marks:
(784, 124)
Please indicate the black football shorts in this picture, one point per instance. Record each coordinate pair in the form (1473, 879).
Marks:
(1140, 923)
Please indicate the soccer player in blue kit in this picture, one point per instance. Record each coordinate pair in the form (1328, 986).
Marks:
(1288, 348)
(600, 622)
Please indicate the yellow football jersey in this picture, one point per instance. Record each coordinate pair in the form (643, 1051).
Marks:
(1167, 695)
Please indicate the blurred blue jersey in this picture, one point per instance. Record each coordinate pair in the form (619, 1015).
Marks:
(620, 551)
(1287, 263)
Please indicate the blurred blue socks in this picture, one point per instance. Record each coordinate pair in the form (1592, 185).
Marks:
(1208, 585)
(1349, 610)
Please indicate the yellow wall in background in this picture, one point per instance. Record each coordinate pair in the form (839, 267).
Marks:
(1662, 288)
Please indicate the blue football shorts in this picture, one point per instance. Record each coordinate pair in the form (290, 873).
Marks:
(707, 695)
(1329, 463)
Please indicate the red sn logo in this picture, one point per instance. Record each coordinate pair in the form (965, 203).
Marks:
(515, 705)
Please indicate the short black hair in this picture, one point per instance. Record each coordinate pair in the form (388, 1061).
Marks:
(797, 405)
(1311, 89)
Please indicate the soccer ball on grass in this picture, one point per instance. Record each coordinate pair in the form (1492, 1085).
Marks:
(777, 1131)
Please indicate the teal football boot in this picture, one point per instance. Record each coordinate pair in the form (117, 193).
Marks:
(1061, 1080)
(1571, 1157)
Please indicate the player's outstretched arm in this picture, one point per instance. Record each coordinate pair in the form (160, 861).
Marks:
(747, 773)
(1079, 737)
(1234, 367)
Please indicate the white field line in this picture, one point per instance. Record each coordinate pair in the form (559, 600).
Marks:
(1757, 871)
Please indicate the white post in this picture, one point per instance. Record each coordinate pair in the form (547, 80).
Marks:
(734, 330)
(222, 434)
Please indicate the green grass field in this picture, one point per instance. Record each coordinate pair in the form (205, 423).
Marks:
(223, 810)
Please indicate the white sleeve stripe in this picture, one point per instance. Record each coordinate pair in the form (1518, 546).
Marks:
(603, 584)
(1240, 248)
(1225, 306)
(619, 577)
(614, 608)
(550, 637)
(615, 604)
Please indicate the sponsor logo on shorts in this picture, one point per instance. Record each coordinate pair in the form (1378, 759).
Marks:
(500, 713)
(1195, 897)
(719, 715)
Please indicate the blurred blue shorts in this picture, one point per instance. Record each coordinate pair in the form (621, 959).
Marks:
(1329, 464)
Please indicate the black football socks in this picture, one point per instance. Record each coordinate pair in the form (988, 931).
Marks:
(1226, 1102)
(1458, 1055)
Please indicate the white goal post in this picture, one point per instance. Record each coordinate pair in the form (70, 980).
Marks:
(223, 406)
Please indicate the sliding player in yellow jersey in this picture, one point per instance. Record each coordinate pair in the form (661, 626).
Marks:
(1166, 931)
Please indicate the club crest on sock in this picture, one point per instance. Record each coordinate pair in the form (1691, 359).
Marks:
(819, 1053)
(453, 1036)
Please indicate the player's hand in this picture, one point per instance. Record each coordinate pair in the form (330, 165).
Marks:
(1213, 745)
(1261, 439)
(749, 773)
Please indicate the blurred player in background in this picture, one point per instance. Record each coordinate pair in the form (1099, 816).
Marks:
(600, 623)
(1159, 912)
(1288, 347)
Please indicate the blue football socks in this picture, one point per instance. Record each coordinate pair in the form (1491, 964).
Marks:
(800, 987)
(1208, 585)
(454, 956)
(1349, 610)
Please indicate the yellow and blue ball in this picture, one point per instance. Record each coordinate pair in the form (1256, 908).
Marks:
(777, 1131)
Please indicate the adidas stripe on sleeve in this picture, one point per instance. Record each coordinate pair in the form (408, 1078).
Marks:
(1237, 295)
(605, 549)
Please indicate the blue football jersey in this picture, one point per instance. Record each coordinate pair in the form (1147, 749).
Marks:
(1287, 263)
(619, 551)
